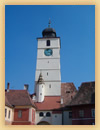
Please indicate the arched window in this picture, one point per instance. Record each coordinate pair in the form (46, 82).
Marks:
(41, 114)
(48, 114)
(48, 42)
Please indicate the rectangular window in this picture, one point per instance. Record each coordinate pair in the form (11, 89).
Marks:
(19, 114)
(9, 114)
(49, 85)
(56, 116)
(70, 114)
(93, 112)
(48, 42)
(5, 112)
(81, 113)
(33, 115)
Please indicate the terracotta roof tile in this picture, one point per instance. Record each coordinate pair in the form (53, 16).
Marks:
(85, 95)
(68, 91)
(19, 98)
(7, 102)
(49, 103)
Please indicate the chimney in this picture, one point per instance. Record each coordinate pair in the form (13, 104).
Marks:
(26, 86)
(8, 84)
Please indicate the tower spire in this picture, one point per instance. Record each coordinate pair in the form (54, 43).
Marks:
(49, 23)
(40, 80)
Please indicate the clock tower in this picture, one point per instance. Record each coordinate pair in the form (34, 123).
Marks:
(48, 62)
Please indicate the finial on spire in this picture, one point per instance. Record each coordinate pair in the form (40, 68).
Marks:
(49, 23)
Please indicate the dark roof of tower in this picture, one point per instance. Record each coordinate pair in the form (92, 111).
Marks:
(49, 32)
(40, 80)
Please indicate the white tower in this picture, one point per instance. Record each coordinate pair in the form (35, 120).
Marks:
(40, 88)
(48, 62)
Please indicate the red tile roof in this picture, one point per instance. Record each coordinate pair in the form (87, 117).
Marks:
(18, 98)
(70, 95)
(7, 102)
(49, 103)
(68, 91)
(85, 95)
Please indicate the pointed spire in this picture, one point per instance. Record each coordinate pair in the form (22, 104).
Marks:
(40, 80)
(49, 23)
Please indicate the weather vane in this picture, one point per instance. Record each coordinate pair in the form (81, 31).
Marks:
(49, 23)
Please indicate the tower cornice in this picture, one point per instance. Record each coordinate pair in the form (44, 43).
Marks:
(47, 37)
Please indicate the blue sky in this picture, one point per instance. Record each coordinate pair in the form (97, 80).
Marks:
(75, 24)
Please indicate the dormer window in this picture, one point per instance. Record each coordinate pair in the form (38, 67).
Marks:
(48, 42)
(67, 91)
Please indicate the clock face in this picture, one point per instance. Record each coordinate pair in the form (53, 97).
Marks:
(48, 52)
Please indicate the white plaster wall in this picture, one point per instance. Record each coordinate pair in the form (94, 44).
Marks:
(40, 90)
(30, 114)
(55, 54)
(39, 119)
(11, 114)
(54, 43)
(34, 98)
(56, 119)
(53, 75)
(48, 64)
(52, 68)
(66, 119)
(54, 90)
